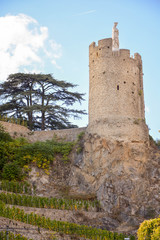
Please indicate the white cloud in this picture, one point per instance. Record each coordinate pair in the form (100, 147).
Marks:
(55, 64)
(23, 45)
(85, 13)
(57, 48)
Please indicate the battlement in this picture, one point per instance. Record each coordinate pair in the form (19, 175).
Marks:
(124, 53)
(104, 48)
(115, 91)
(106, 42)
(102, 45)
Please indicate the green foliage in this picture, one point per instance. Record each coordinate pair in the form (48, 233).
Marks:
(4, 136)
(155, 142)
(63, 148)
(59, 226)
(38, 152)
(43, 101)
(156, 234)
(16, 187)
(19, 121)
(158, 143)
(44, 202)
(10, 236)
(43, 153)
(140, 92)
(149, 230)
(136, 121)
(80, 135)
(8, 153)
(18, 154)
(80, 143)
(12, 171)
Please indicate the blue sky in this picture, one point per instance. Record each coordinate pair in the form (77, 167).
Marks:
(52, 36)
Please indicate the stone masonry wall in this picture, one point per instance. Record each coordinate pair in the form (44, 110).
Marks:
(16, 130)
(116, 92)
(67, 134)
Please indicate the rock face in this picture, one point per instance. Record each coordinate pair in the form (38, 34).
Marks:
(123, 175)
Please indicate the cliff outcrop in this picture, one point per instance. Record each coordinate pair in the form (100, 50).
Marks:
(123, 176)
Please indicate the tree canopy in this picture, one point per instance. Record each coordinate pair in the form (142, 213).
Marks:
(43, 101)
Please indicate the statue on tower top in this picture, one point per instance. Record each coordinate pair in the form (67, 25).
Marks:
(115, 37)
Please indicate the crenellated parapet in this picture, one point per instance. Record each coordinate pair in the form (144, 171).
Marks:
(104, 48)
(116, 99)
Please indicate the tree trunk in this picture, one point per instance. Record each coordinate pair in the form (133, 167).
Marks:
(43, 121)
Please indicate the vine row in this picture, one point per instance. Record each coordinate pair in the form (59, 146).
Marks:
(44, 202)
(59, 226)
(7, 235)
(16, 187)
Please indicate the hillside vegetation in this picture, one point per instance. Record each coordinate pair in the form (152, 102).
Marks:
(25, 215)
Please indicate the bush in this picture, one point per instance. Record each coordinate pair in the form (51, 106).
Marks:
(42, 154)
(11, 171)
(149, 230)
(4, 136)
(156, 234)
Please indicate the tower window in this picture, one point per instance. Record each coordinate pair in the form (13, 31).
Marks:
(124, 82)
(97, 54)
(117, 87)
(108, 46)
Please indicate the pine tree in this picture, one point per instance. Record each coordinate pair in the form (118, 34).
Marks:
(43, 101)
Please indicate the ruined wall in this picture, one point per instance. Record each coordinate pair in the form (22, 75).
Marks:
(116, 101)
(16, 130)
(67, 134)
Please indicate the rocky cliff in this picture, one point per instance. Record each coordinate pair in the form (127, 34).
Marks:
(124, 176)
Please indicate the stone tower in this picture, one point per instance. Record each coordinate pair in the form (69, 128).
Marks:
(116, 100)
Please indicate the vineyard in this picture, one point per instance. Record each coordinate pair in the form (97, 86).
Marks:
(43, 202)
(10, 236)
(25, 215)
(66, 228)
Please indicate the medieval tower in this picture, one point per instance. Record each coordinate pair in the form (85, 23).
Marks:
(116, 100)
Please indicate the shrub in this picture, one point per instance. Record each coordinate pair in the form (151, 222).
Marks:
(4, 136)
(11, 171)
(156, 234)
(149, 230)
(23, 153)
(80, 143)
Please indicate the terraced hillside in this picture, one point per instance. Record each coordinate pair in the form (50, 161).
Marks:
(37, 217)
(52, 189)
